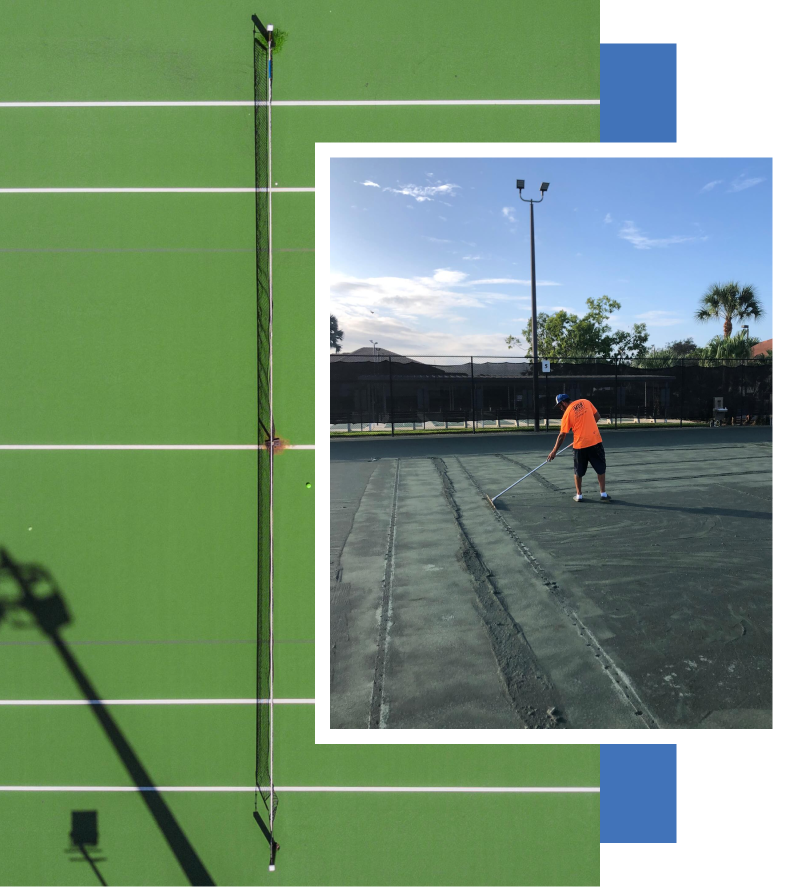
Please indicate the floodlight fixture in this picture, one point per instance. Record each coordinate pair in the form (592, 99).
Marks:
(544, 186)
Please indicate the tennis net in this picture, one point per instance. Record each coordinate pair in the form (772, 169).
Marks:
(265, 426)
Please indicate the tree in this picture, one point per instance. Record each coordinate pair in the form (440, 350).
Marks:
(729, 301)
(670, 354)
(738, 347)
(682, 347)
(566, 335)
(336, 335)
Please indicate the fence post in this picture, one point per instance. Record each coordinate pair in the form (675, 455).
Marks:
(615, 394)
(681, 396)
(547, 401)
(391, 397)
(473, 399)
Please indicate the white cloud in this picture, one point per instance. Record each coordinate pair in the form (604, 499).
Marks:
(446, 275)
(399, 335)
(443, 218)
(355, 298)
(471, 258)
(608, 221)
(436, 240)
(494, 281)
(741, 183)
(440, 295)
(398, 312)
(659, 318)
(550, 309)
(422, 193)
(508, 213)
(631, 233)
(370, 184)
(710, 185)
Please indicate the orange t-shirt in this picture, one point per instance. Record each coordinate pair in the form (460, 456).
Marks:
(579, 418)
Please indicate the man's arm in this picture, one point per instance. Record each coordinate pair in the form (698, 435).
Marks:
(597, 417)
(557, 447)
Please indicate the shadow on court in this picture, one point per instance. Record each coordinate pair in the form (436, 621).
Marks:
(38, 598)
(702, 511)
(84, 840)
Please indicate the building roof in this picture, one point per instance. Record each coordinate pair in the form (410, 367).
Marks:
(761, 348)
(353, 356)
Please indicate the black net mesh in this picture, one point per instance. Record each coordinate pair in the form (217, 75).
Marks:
(265, 428)
(377, 390)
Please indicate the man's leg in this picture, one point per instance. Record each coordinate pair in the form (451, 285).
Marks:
(578, 484)
(601, 479)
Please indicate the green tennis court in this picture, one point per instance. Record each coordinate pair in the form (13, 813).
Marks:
(129, 439)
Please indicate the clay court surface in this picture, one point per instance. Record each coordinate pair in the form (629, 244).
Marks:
(652, 610)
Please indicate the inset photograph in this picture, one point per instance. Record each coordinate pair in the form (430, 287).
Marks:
(551, 443)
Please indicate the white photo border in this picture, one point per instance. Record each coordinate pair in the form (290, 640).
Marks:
(324, 152)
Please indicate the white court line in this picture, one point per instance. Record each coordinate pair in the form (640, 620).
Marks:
(152, 190)
(153, 701)
(303, 788)
(146, 447)
(299, 104)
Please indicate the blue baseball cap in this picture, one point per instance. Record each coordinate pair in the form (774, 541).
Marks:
(560, 398)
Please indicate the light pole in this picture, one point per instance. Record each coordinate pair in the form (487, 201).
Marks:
(542, 189)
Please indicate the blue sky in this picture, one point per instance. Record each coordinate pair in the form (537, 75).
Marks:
(431, 256)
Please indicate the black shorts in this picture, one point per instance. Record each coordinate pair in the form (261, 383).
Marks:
(595, 455)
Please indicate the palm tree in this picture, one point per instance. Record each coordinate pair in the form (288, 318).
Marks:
(336, 335)
(731, 350)
(730, 301)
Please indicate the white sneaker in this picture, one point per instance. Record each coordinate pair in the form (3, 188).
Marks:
(604, 497)
(578, 497)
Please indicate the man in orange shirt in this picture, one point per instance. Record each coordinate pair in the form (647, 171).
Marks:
(580, 417)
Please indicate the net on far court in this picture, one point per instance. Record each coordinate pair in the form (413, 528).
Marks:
(263, 44)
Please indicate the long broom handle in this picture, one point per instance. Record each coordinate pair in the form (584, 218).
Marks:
(528, 475)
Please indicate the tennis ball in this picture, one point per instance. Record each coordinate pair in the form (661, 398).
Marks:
(308, 485)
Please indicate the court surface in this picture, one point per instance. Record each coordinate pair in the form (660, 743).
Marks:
(650, 610)
(129, 426)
